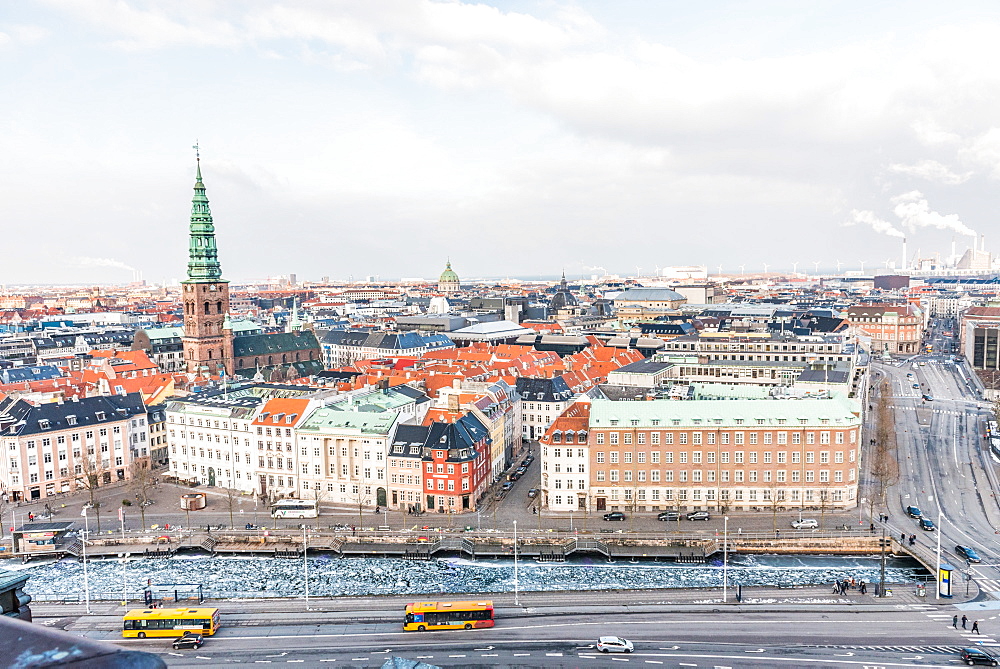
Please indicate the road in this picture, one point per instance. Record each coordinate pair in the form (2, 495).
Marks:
(945, 465)
(911, 637)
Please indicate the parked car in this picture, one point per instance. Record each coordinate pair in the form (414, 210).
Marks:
(699, 515)
(969, 553)
(614, 515)
(979, 655)
(668, 515)
(189, 640)
(533, 492)
(614, 644)
(913, 512)
(805, 524)
(507, 485)
(927, 525)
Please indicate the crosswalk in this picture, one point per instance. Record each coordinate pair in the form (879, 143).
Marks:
(947, 619)
(990, 585)
(899, 649)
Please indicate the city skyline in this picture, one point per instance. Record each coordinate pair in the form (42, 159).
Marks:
(382, 139)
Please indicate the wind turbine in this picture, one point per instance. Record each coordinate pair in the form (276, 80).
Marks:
(638, 271)
(765, 268)
(838, 267)
(720, 269)
(795, 268)
(816, 266)
(742, 267)
(862, 266)
(887, 261)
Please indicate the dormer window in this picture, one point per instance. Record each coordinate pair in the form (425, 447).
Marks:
(290, 418)
(614, 421)
(100, 415)
(634, 422)
(557, 437)
(43, 424)
(71, 420)
(581, 437)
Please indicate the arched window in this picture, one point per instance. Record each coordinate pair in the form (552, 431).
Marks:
(256, 362)
(209, 354)
(218, 307)
(557, 437)
(241, 363)
(284, 358)
(312, 355)
(207, 305)
(296, 356)
(270, 359)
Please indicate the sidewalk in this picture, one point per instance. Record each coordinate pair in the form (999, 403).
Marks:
(276, 612)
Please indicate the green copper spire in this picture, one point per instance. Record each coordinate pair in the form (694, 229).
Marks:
(203, 257)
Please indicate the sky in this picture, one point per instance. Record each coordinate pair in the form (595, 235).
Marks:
(381, 138)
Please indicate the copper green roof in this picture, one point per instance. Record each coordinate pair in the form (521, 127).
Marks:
(448, 275)
(203, 257)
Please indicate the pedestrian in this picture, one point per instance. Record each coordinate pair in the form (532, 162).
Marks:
(871, 528)
(954, 621)
(31, 516)
(854, 583)
(964, 620)
(836, 588)
(902, 538)
(913, 539)
(975, 627)
(864, 588)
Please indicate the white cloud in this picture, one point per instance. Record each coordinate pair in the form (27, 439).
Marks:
(931, 170)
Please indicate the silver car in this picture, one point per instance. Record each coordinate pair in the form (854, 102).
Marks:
(614, 644)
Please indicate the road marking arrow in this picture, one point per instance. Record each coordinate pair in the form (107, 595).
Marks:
(759, 650)
(487, 648)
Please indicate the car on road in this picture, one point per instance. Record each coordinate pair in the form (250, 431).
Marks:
(969, 553)
(668, 515)
(189, 640)
(507, 485)
(979, 655)
(927, 525)
(699, 515)
(614, 515)
(614, 644)
(914, 512)
(928, 398)
(533, 493)
(916, 386)
(805, 524)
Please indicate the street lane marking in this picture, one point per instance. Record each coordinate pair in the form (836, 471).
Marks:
(653, 662)
(490, 655)
(553, 654)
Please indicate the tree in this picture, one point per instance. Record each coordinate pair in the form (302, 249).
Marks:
(884, 465)
(142, 483)
(232, 500)
(774, 494)
(4, 505)
(92, 471)
(362, 500)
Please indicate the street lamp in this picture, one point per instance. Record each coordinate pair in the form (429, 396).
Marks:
(86, 532)
(725, 558)
(516, 602)
(305, 564)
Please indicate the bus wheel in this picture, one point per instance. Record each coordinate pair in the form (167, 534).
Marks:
(421, 628)
(141, 635)
(468, 626)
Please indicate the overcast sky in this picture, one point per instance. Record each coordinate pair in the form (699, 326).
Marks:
(381, 137)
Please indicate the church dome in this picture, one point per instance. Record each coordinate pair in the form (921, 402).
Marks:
(448, 275)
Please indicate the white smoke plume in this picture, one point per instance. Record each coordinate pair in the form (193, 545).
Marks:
(931, 170)
(864, 217)
(914, 212)
(87, 261)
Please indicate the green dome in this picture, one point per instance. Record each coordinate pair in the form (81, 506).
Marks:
(448, 275)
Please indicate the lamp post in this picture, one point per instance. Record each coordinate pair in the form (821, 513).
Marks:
(305, 564)
(516, 602)
(937, 577)
(725, 558)
(86, 532)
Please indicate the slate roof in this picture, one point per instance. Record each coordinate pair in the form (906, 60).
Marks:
(460, 438)
(649, 295)
(18, 417)
(281, 342)
(543, 390)
(35, 373)
(401, 341)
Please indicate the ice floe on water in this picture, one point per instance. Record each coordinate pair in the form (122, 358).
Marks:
(232, 577)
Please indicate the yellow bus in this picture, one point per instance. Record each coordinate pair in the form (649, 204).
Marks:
(422, 616)
(170, 622)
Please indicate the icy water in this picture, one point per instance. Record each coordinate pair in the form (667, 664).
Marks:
(226, 577)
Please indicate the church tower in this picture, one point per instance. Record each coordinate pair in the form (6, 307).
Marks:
(208, 335)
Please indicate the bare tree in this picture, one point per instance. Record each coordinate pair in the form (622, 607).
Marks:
(362, 500)
(4, 505)
(232, 501)
(92, 472)
(884, 464)
(774, 494)
(142, 483)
